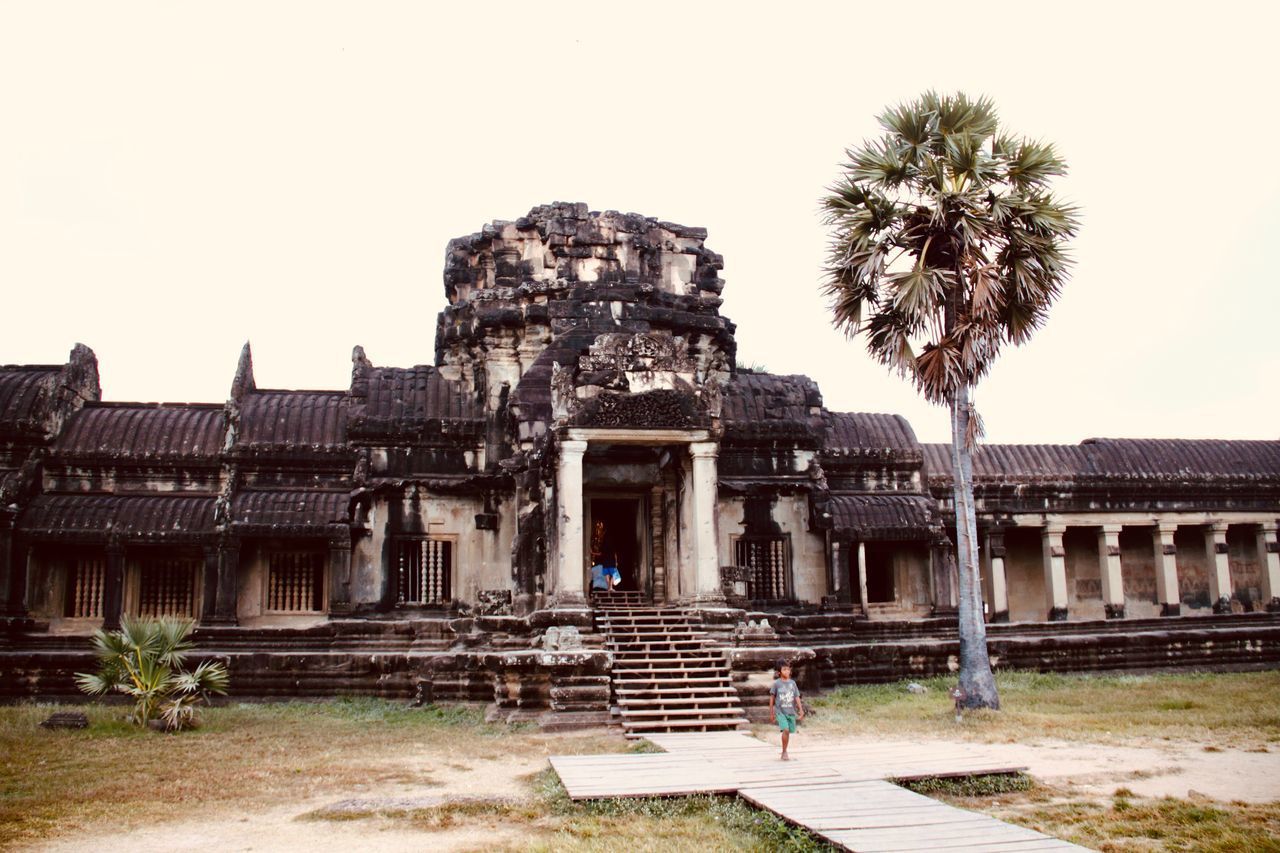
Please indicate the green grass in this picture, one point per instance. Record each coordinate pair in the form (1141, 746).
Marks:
(1226, 710)
(970, 786)
(1129, 823)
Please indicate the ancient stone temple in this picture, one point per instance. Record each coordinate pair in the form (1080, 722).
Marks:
(433, 529)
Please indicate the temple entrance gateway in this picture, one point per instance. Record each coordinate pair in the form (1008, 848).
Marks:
(615, 527)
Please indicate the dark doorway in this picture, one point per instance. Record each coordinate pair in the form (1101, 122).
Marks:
(615, 532)
(880, 574)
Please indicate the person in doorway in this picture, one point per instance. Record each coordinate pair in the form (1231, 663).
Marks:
(785, 704)
(605, 575)
(611, 572)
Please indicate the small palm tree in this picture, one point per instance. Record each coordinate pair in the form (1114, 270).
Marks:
(946, 245)
(144, 659)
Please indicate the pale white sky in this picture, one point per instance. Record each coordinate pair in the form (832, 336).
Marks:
(177, 178)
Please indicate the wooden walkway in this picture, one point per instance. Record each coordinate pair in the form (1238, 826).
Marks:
(838, 793)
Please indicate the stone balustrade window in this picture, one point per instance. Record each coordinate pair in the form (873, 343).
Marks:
(295, 581)
(425, 571)
(86, 575)
(767, 562)
(167, 586)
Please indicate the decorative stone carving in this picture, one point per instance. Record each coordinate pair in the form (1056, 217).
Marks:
(493, 602)
(560, 638)
(564, 400)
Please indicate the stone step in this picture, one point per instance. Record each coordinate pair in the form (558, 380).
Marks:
(664, 662)
(625, 642)
(702, 690)
(645, 624)
(686, 678)
(698, 649)
(639, 728)
(679, 713)
(710, 702)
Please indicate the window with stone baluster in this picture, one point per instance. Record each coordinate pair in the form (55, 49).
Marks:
(767, 561)
(424, 570)
(167, 584)
(295, 581)
(86, 575)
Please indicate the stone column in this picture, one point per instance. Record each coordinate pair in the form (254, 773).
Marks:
(999, 581)
(658, 543)
(862, 577)
(228, 567)
(944, 578)
(1055, 572)
(113, 587)
(1110, 571)
(841, 577)
(1166, 554)
(209, 585)
(1269, 556)
(1215, 542)
(340, 572)
(12, 594)
(705, 548)
(568, 588)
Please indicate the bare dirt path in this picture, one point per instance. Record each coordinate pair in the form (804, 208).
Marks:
(1087, 770)
(1149, 768)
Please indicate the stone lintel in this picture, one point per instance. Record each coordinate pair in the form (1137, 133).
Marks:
(610, 435)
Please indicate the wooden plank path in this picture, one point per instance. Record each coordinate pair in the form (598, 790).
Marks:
(839, 793)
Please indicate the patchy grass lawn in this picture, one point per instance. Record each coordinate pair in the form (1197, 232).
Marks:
(558, 823)
(1238, 710)
(111, 778)
(113, 774)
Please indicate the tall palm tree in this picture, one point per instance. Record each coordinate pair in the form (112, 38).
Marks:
(947, 244)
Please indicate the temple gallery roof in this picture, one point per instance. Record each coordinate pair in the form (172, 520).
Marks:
(280, 419)
(869, 516)
(141, 431)
(289, 508)
(151, 517)
(1113, 459)
(408, 399)
(24, 389)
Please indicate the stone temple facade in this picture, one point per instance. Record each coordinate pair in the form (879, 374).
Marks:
(585, 402)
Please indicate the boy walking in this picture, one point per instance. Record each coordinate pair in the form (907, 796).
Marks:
(785, 704)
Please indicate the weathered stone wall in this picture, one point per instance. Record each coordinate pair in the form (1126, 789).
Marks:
(1194, 564)
(1138, 565)
(1084, 574)
(1024, 568)
(1246, 568)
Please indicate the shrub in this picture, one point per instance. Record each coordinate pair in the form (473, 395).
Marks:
(144, 660)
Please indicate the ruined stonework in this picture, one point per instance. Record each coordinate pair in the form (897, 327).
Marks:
(430, 530)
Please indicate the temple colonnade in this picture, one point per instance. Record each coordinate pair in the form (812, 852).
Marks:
(1157, 564)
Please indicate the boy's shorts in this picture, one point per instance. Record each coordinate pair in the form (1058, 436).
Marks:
(786, 722)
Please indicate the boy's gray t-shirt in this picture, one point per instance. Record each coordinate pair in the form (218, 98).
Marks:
(785, 693)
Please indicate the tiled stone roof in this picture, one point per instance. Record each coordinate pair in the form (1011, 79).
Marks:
(771, 405)
(153, 517)
(868, 435)
(1114, 459)
(25, 392)
(396, 400)
(314, 420)
(885, 516)
(289, 508)
(142, 431)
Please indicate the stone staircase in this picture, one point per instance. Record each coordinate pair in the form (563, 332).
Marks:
(667, 676)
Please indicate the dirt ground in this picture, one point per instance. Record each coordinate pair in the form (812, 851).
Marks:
(1154, 768)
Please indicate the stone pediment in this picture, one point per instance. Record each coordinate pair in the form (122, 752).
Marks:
(640, 362)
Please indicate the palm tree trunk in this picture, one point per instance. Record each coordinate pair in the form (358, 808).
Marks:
(976, 680)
